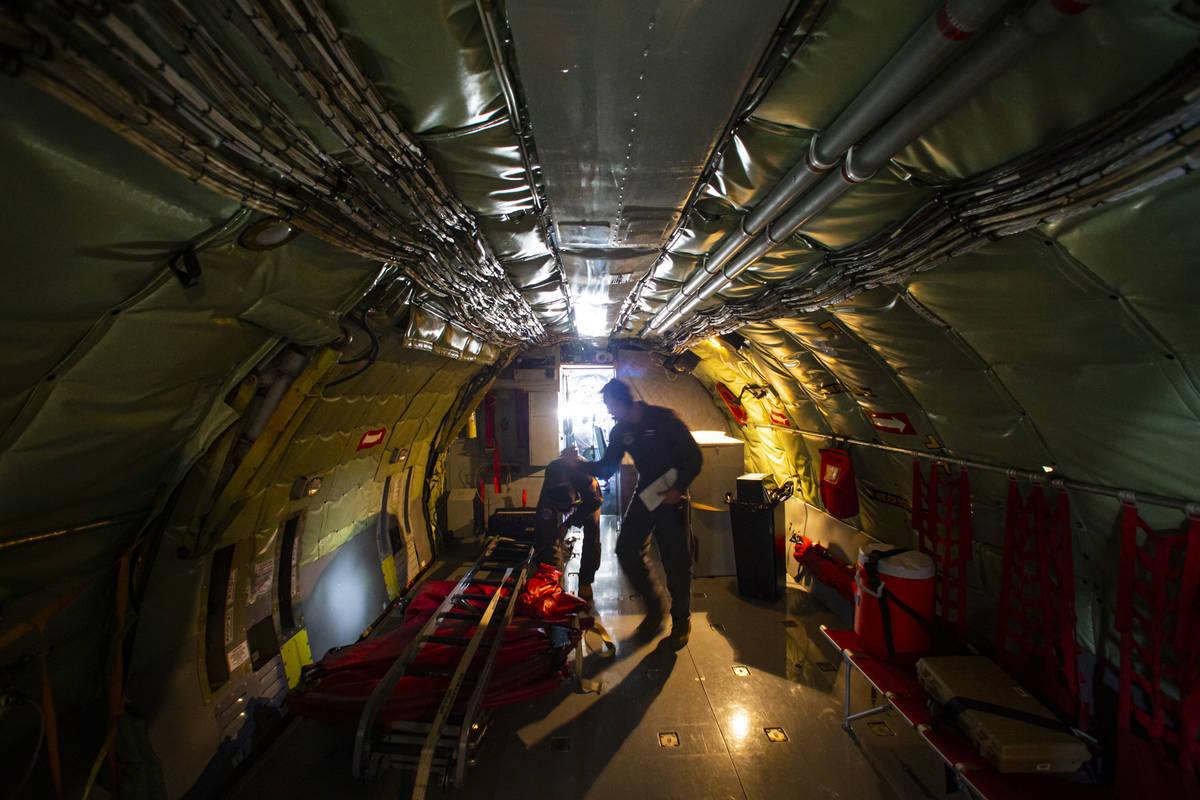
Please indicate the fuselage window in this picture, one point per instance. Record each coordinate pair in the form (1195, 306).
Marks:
(218, 618)
(287, 574)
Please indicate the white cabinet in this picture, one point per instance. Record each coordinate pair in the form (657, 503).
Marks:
(543, 428)
(712, 537)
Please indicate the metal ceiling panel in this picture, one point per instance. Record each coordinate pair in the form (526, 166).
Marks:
(626, 102)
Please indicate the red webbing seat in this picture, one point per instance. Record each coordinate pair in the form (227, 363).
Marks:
(1036, 631)
(899, 684)
(941, 516)
(955, 749)
(1158, 618)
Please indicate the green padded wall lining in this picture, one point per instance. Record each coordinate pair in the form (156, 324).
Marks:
(1068, 347)
(433, 64)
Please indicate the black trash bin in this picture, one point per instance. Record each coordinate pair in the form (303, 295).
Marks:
(758, 540)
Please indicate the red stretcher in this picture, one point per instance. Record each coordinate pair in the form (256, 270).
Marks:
(899, 689)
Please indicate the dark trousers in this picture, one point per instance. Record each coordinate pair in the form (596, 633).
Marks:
(547, 536)
(669, 525)
(550, 529)
(589, 558)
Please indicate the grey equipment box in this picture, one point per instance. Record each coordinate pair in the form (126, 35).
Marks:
(1012, 745)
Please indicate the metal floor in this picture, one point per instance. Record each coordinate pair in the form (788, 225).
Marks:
(611, 744)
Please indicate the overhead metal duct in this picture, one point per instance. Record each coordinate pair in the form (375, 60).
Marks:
(940, 37)
(810, 194)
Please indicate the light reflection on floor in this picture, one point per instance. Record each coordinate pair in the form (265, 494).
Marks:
(611, 744)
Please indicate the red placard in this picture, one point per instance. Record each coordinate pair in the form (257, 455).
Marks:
(892, 423)
(734, 404)
(371, 438)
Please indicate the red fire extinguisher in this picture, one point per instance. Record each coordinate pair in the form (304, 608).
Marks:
(838, 490)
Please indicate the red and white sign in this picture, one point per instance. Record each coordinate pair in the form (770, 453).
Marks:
(780, 418)
(892, 423)
(371, 438)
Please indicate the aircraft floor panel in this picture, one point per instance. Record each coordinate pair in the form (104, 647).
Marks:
(665, 724)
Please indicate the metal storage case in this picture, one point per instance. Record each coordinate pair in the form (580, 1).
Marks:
(1012, 745)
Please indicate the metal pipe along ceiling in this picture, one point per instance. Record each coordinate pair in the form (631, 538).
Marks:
(940, 37)
(811, 194)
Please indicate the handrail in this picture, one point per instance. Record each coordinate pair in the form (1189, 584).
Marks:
(1191, 507)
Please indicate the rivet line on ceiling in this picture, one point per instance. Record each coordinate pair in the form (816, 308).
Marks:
(614, 233)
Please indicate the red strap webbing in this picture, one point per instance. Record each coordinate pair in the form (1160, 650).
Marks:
(1166, 581)
(918, 503)
(1036, 626)
(942, 520)
(1189, 588)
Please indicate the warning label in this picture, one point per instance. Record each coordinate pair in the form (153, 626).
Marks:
(892, 423)
(371, 438)
(238, 656)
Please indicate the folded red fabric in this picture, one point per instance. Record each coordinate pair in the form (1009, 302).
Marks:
(527, 666)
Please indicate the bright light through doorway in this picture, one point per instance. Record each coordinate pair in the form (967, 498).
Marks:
(583, 419)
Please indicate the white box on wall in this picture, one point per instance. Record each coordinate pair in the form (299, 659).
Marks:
(543, 428)
(723, 463)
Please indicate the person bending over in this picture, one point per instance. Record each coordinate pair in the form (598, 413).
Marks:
(569, 498)
(658, 442)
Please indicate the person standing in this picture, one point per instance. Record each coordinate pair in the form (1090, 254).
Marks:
(658, 442)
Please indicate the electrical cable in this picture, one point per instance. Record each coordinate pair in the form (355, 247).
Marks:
(371, 356)
(98, 763)
(266, 159)
(1142, 145)
(361, 321)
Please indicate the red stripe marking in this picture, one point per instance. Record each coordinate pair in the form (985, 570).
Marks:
(948, 28)
(846, 176)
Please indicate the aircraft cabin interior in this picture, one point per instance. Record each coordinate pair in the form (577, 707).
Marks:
(315, 481)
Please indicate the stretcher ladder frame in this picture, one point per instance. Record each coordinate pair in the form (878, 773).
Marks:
(499, 553)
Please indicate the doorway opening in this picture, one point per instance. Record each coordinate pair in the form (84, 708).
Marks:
(583, 419)
(584, 422)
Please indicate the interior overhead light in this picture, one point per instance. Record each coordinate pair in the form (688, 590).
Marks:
(267, 234)
(591, 317)
(305, 487)
(1046, 468)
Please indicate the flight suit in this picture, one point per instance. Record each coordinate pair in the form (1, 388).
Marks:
(568, 490)
(657, 442)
